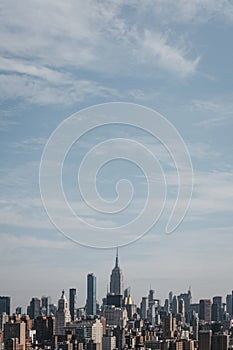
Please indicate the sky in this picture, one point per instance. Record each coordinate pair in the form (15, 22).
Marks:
(58, 58)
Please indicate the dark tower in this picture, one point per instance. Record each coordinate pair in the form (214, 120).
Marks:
(91, 294)
(72, 303)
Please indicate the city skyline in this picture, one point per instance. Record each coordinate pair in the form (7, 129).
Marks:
(119, 323)
(173, 57)
(91, 288)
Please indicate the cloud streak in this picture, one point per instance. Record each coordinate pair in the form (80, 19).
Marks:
(96, 38)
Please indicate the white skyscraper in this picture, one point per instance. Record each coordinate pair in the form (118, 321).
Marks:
(116, 281)
(97, 334)
(62, 315)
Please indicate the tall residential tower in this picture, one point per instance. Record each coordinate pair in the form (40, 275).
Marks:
(72, 303)
(91, 295)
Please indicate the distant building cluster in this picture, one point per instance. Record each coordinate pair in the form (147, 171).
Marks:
(118, 324)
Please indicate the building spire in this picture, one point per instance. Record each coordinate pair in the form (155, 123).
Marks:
(117, 260)
(116, 279)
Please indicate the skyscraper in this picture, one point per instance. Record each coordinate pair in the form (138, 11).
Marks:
(97, 334)
(195, 324)
(175, 305)
(220, 342)
(45, 302)
(91, 294)
(151, 306)
(217, 309)
(205, 340)
(5, 305)
(72, 303)
(229, 304)
(15, 330)
(151, 297)
(34, 308)
(170, 297)
(62, 315)
(168, 326)
(181, 306)
(205, 310)
(45, 328)
(144, 308)
(116, 280)
(187, 297)
(4, 318)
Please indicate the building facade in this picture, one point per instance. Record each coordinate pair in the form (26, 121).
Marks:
(116, 279)
(62, 315)
(5, 305)
(73, 303)
(91, 295)
(205, 312)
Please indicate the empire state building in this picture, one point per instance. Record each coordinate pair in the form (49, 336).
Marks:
(116, 280)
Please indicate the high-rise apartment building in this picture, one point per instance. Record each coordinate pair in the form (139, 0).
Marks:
(229, 304)
(12, 344)
(115, 316)
(205, 340)
(34, 308)
(91, 295)
(170, 297)
(45, 328)
(144, 308)
(151, 297)
(109, 342)
(5, 305)
(220, 342)
(205, 310)
(14, 330)
(217, 309)
(72, 303)
(169, 326)
(182, 308)
(4, 318)
(152, 305)
(175, 306)
(45, 302)
(97, 334)
(187, 297)
(166, 306)
(116, 280)
(195, 325)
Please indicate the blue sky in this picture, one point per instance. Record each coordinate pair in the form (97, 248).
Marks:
(57, 58)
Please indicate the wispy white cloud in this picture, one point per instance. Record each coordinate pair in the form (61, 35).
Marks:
(217, 111)
(193, 11)
(213, 122)
(20, 67)
(38, 91)
(169, 57)
(212, 195)
(94, 37)
(6, 123)
(29, 145)
(203, 151)
(26, 241)
(143, 95)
